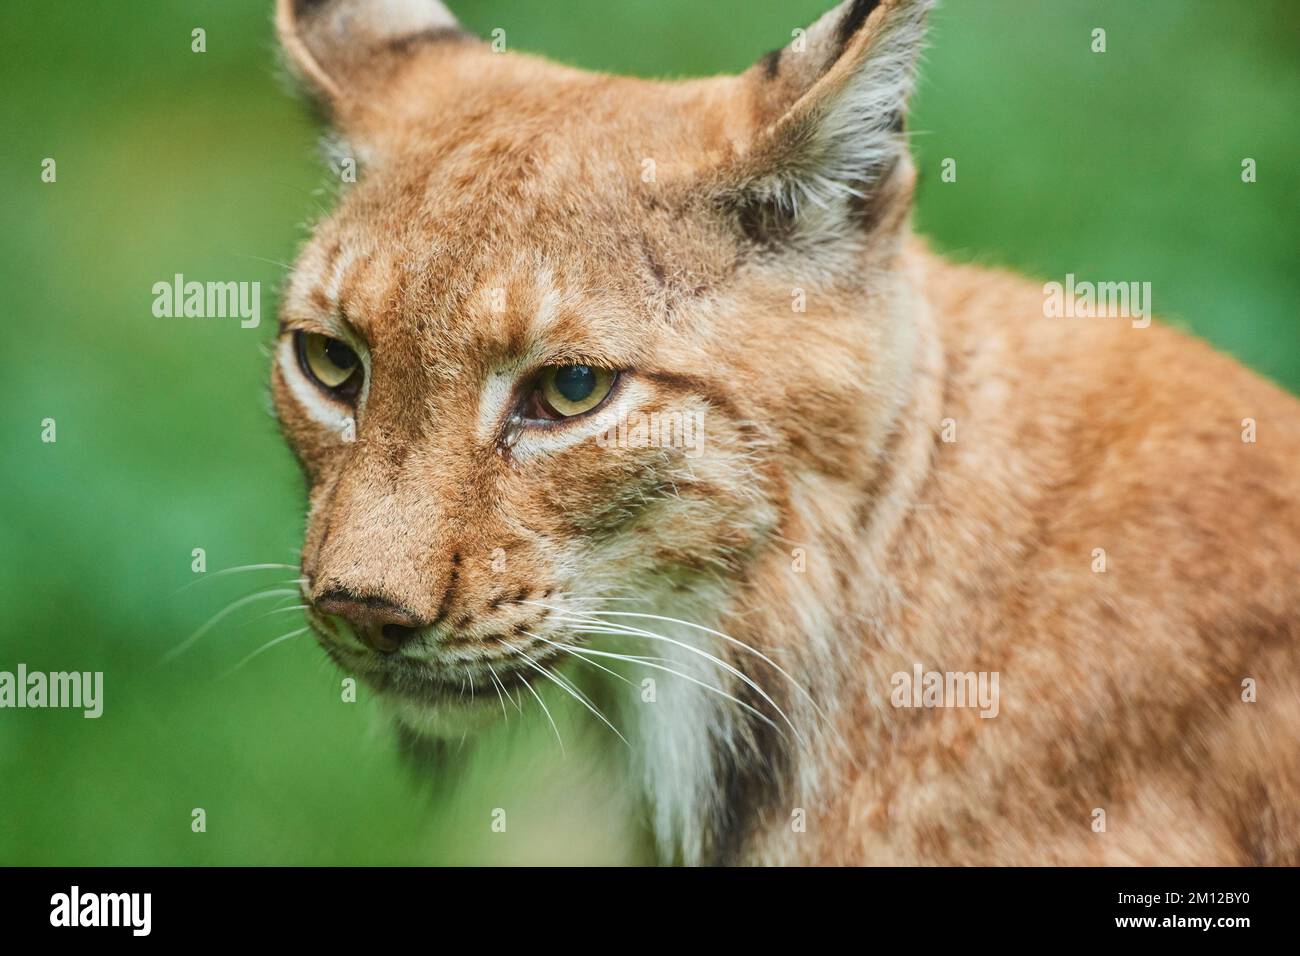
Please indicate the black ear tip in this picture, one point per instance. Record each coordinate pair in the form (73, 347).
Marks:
(771, 64)
(856, 16)
(404, 44)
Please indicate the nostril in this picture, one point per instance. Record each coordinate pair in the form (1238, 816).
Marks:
(381, 624)
(398, 634)
(388, 638)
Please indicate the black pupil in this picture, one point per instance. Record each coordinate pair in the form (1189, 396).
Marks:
(575, 382)
(338, 353)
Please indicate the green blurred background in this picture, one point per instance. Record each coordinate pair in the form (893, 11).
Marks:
(1124, 165)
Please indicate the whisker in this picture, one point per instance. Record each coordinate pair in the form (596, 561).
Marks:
(595, 710)
(265, 647)
(602, 667)
(496, 681)
(726, 637)
(516, 700)
(545, 710)
(278, 610)
(238, 570)
(220, 616)
(583, 651)
(274, 262)
(283, 610)
(829, 726)
(640, 632)
(569, 685)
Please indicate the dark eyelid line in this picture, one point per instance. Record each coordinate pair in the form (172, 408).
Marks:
(527, 379)
(341, 392)
(330, 325)
(545, 424)
(566, 355)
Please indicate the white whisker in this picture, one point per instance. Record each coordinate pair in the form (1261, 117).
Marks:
(606, 627)
(265, 647)
(545, 710)
(726, 637)
(595, 710)
(496, 681)
(646, 662)
(238, 570)
(220, 616)
(602, 667)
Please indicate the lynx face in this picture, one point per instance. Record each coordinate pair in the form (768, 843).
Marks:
(492, 352)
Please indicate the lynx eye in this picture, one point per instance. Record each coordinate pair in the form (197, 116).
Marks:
(330, 363)
(564, 391)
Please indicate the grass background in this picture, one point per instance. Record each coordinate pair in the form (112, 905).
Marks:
(1119, 166)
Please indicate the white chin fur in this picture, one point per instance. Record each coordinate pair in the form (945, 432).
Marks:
(444, 720)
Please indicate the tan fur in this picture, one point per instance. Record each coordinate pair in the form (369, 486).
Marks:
(1120, 690)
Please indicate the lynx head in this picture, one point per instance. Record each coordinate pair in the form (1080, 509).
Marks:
(572, 338)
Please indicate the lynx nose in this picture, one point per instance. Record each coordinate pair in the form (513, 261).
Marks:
(382, 624)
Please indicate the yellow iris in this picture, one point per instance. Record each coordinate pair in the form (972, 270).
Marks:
(570, 390)
(327, 360)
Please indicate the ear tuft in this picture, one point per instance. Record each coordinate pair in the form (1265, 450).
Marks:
(831, 109)
(342, 47)
(853, 18)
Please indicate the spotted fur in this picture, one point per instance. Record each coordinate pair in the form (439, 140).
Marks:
(513, 213)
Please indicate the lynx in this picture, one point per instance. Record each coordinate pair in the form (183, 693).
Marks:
(905, 466)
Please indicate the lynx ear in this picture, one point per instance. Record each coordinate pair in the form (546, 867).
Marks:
(344, 49)
(830, 110)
